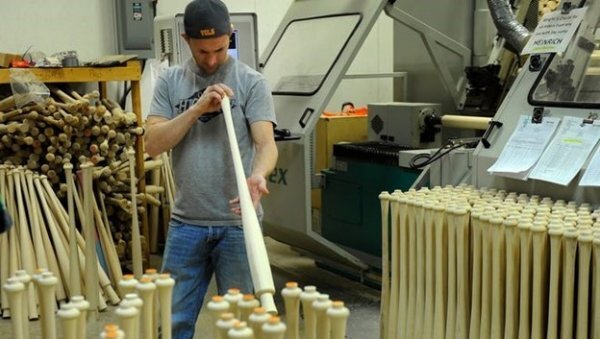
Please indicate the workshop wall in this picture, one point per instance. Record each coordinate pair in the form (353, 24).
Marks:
(89, 27)
(86, 26)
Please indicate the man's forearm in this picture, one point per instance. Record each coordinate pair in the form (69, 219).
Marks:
(164, 135)
(265, 159)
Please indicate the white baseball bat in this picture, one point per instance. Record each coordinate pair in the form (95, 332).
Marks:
(83, 306)
(568, 290)
(498, 283)
(338, 316)
(216, 306)
(307, 297)
(476, 276)
(596, 300)
(136, 247)
(127, 319)
(27, 253)
(412, 274)
(291, 297)
(69, 314)
(401, 261)
(439, 316)
(273, 329)
(392, 312)
(384, 198)
(539, 280)
(320, 307)
(164, 284)
(91, 271)
(452, 281)
(260, 269)
(511, 318)
(146, 289)
(225, 323)
(420, 298)
(429, 270)
(74, 274)
(4, 249)
(463, 290)
(14, 290)
(246, 306)
(46, 285)
(583, 294)
(256, 320)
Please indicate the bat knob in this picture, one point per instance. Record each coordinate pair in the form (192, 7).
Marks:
(267, 302)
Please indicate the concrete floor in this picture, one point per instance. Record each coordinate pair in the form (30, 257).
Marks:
(287, 265)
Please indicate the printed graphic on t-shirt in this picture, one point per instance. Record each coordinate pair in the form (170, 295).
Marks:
(184, 104)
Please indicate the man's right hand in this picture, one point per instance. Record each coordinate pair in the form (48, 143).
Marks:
(210, 100)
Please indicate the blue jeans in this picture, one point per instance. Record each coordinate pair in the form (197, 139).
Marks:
(192, 254)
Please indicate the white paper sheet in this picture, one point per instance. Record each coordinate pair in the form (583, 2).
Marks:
(567, 152)
(554, 32)
(591, 176)
(524, 148)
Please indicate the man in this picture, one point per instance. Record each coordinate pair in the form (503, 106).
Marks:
(5, 220)
(348, 107)
(205, 234)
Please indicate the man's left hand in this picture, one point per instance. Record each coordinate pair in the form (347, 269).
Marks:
(257, 185)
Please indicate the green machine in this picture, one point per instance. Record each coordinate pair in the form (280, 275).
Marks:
(351, 212)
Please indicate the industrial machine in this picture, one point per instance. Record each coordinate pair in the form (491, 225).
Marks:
(556, 85)
(304, 76)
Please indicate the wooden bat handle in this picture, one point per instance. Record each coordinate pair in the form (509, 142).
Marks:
(260, 269)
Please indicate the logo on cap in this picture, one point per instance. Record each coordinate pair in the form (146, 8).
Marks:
(207, 32)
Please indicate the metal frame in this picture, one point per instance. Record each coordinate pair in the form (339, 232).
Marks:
(434, 41)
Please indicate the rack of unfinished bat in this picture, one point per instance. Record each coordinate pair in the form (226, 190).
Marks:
(460, 262)
(68, 163)
(130, 71)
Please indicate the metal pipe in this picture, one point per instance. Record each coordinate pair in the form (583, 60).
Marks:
(513, 31)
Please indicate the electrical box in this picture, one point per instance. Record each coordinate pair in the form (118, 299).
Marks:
(402, 123)
(135, 21)
(170, 45)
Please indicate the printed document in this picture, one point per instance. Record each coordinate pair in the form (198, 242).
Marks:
(524, 148)
(567, 152)
(591, 176)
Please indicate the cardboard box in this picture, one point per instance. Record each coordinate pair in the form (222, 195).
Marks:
(331, 130)
(6, 58)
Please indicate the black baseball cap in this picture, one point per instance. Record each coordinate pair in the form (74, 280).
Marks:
(206, 19)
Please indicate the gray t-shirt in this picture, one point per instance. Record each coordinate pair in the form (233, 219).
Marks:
(202, 163)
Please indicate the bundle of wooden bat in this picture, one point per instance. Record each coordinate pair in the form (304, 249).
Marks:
(469, 263)
(41, 238)
(75, 128)
(137, 314)
(237, 315)
(71, 128)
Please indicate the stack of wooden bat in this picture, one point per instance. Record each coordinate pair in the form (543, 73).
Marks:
(138, 313)
(40, 239)
(76, 128)
(70, 128)
(241, 316)
(467, 263)
(73, 128)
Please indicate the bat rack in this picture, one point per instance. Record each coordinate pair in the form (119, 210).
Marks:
(130, 71)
